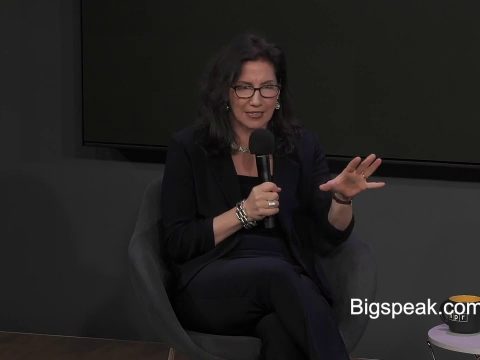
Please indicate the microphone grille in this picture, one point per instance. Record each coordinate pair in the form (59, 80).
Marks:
(262, 142)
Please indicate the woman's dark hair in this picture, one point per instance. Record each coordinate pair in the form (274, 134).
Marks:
(222, 73)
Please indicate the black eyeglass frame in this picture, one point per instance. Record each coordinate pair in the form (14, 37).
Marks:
(259, 90)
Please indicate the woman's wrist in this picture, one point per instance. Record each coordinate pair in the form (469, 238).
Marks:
(225, 225)
(242, 216)
(341, 199)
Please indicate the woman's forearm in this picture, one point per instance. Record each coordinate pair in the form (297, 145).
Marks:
(340, 215)
(225, 225)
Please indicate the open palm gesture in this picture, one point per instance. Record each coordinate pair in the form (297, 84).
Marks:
(353, 179)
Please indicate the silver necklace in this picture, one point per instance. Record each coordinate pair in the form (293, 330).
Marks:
(241, 149)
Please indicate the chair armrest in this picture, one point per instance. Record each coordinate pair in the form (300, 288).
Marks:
(351, 272)
(149, 276)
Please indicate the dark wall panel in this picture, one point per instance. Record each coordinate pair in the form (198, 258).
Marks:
(399, 78)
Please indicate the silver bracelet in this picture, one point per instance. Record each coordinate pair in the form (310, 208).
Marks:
(242, 215)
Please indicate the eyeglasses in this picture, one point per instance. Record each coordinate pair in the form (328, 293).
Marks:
(247, 91)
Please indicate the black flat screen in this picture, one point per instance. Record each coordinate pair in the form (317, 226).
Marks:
(399, 78)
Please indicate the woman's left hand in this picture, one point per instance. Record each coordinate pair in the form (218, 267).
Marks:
(353, 179)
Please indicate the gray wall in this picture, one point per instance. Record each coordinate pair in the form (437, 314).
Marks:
(67, 211)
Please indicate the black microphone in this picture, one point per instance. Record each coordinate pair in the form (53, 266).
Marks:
(262, 144)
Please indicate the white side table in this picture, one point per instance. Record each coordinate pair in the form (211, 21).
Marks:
(442, 337)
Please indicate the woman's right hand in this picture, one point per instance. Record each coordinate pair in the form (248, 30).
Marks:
(262, 201)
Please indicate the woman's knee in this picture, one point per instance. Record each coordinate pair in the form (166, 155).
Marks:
(277, 343)
(281, 273)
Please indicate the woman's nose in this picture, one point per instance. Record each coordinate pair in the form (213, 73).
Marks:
(256, 99)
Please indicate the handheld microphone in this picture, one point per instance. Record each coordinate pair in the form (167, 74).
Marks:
(262, 144)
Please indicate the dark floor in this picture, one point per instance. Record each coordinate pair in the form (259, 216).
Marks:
(18, 346)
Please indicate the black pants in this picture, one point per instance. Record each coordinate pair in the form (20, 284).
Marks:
(264, 296)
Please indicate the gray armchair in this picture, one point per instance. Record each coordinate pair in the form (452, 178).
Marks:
(350, 269)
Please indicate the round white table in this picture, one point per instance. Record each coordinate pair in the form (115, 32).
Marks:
(442, 337)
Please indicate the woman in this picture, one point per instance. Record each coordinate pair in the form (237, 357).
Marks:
(234, 276)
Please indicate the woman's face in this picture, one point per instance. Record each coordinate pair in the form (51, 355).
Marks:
(254, 112)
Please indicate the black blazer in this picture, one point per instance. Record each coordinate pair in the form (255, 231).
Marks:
(198, 186)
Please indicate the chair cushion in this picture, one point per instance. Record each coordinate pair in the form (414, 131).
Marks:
(228, 347)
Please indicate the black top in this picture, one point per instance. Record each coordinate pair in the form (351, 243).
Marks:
(258, 241)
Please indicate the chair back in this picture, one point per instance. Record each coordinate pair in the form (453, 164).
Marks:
(150, 276)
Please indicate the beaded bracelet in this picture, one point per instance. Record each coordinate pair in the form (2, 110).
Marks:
(242, 215)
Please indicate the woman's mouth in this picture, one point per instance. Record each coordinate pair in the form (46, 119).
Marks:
(255, 114)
